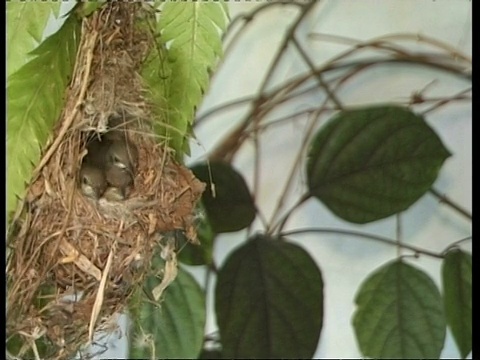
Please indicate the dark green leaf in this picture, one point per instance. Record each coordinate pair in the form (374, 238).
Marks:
(399, 314)
(35, 97)
(457, 288)
(202, 254)
(371, 163)
(174, 327)
(211, 354)
(16, 344)
(230, 207)
(269, 301)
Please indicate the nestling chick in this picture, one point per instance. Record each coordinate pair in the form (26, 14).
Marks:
(92, 180)
(114, 194)
(122, 154)
(97, 151)
(120, 182)
(117, 124)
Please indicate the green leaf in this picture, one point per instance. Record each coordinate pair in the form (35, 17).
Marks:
(202, 254)
(175, 325)
(85, 9)
(16, 344)
(399, 314)
(35, 97)
(26, 23)
(155, 74)
(230, 207)
(269, 301)
(192, 33)
(371, 163)
(457, 288)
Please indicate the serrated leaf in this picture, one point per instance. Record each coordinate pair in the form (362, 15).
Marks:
(155, 74)
(85, 9)
(230, 207)
(176, 324)
(370, 163)
(35, 97)
(192, 33)
(26, 23)
(399, 314)
(269, 301)
(457, 296)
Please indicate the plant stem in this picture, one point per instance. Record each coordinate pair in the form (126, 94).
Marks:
(367, 236)
(398, 231)
(443, 199)
(319, 77)
(455, 244)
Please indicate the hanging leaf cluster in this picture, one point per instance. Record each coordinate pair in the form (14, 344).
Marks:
(364, 165)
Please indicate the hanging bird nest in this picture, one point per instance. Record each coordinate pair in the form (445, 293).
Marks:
(75, 261)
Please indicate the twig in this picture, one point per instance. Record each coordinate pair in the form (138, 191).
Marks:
(223, 107)
(256, 168)
(249, 17)
(367, 236)
(398, 233)
(310, 110)
(290, 33)
(297, 81)
(455, 244)
(441, 102)
(443, 199)
(396, 36)
(281, 224)
(319, 77)
(234, 140)
(294, 169)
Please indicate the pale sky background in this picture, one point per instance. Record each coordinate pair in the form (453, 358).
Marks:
(345, 263)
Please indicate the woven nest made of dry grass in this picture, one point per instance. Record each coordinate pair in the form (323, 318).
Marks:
(66, 245)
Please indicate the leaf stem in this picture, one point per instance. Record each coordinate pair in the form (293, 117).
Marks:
(443, 199)
(281, 224)
(367, 236)
(398, 231)
(455, 244)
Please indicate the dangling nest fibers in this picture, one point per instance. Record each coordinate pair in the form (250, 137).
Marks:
(66, 245)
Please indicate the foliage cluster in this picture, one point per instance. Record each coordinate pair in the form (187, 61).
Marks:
(365, 164)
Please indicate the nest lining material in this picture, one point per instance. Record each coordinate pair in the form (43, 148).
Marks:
(67, 244)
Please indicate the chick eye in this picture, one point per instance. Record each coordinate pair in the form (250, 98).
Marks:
(113, 159)
(85, 180)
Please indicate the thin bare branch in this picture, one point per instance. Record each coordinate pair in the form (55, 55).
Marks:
(367, 236)
(444, 200)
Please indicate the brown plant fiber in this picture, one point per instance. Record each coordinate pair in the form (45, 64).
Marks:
(75, 261)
